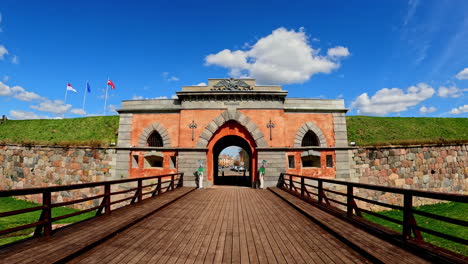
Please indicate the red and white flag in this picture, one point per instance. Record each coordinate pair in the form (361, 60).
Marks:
(70, 88)
(109, 82)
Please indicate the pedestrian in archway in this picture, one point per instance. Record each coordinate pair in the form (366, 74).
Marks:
(261, 173)
(200, 172)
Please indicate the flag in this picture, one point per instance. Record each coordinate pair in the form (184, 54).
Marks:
(70, 88)
(109, 82)
(88, 88)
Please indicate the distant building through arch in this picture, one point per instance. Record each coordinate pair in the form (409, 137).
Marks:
(294, 135)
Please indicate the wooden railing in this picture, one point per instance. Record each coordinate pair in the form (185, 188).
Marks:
(43, 226)
(312, 190)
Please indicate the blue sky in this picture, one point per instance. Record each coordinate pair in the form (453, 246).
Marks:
(384, 58)
(231, 151)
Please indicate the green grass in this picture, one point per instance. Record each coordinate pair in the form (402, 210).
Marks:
(366, 130)
(452, 210)
(11, 204)
(92, 131)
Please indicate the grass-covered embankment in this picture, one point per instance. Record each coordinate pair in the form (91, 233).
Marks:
(90, 131)
(381, 131)
(364, 130)
(10, 204)
(452, 210)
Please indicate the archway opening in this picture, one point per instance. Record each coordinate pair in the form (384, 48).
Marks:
(232, 162)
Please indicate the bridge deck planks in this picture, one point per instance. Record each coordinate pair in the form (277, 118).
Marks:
(74, 238)
(218, 225)
(379, 248)
(224, 225)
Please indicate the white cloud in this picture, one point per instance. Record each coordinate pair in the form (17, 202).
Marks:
(452, 92)
(3, 52)
(5, 90)
(138, 97)
(200, 84)
(459, 110)
(56, 107)
(5, 78)
(170, 78)
(392, 100)
(18, 92)
(462, 75)
(338, 52)
(21, 94)
(174, 96)
(426, 110)
(236, 60)
(283, 57)
(78, 111)
(18, 114)
(161, 97)
(15, 59)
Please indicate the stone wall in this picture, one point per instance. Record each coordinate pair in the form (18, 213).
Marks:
(27, 167)
(429, 168)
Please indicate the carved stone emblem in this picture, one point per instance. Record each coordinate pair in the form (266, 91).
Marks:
(231, 84)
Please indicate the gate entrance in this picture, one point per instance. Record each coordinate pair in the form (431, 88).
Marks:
(234, 167)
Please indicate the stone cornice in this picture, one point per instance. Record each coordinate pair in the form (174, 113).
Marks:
(315, 110)
(303, 148)
(233, 96)
(161, 149)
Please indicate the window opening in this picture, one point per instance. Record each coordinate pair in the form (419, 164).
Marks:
(310, 139)
(291, 162)
(329, 161)
(155, 140)
(311, 161)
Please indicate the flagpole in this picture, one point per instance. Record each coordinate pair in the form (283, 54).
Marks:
(84, 96)
(65, 101)
(105, 100)
(66, 91)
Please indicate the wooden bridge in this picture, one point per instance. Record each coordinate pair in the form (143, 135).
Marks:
(301, 221)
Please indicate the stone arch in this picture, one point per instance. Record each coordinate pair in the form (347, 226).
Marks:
(304, 129)
(154, 127)
(240, 118)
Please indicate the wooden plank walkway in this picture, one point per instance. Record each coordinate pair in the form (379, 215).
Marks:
(224, 225)
(377, 249)
(74, 239)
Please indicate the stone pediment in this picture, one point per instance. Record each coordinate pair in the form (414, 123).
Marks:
(231, 84)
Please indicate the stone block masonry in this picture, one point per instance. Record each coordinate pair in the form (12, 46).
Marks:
(28, 167)
(429, 168)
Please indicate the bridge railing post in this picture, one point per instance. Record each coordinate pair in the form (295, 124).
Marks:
(320, 191)
(181, 180)
(290, 182)
(349, 200)
(46, 201)
(407, 212)
(159, 185)
(281, 181)
(140, 190)
(302, 187)
(107, 197)
(172, 182)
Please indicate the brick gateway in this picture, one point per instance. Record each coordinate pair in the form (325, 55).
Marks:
(293, 135)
